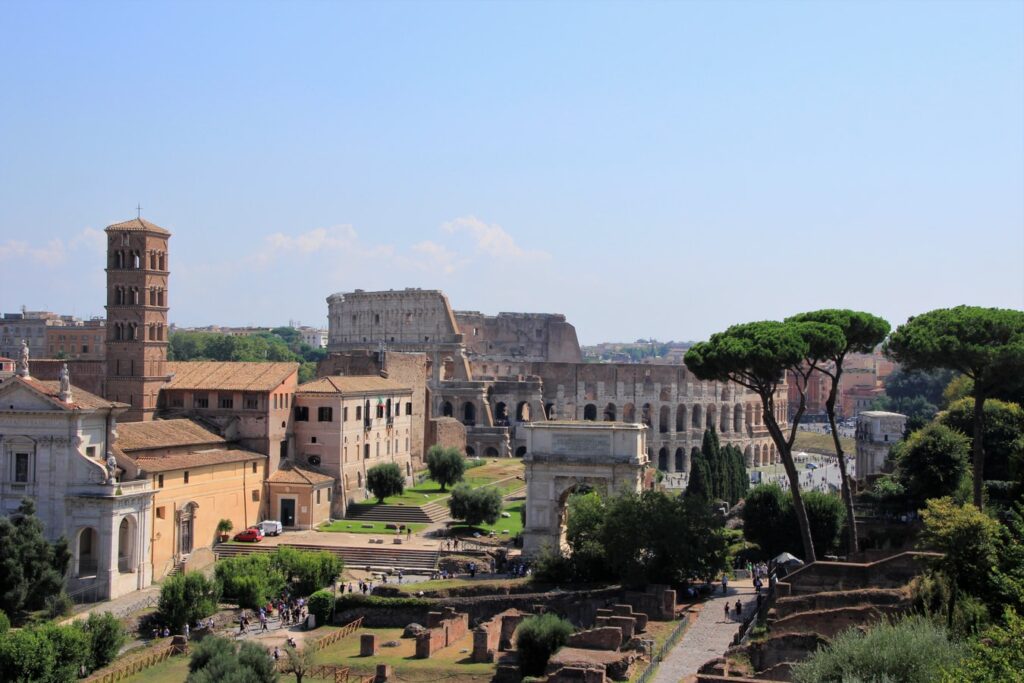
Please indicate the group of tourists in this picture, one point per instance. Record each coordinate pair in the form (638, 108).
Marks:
(289, 611)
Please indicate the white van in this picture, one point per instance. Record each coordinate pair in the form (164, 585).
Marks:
(270, 528)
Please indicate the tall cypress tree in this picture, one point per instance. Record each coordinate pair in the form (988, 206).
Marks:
(711, 452)
(700, 483)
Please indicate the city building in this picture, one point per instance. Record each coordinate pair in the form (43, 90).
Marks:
(877, 432)
(314, 336)
(29, 326)
(77, 340)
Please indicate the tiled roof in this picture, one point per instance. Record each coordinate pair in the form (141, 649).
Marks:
(80, 398)
(291, 474)
(214, 375)
(138, 225)
(136, 436)
(351, 384)
(182, 461)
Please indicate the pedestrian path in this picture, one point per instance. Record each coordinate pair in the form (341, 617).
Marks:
(709, 635)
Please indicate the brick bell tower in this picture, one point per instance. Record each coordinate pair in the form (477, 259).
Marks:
(137, 273)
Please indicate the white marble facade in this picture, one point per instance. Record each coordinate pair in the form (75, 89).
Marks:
(55, 443)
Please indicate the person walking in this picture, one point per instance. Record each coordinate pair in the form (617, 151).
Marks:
(727, 611)
(725, 584)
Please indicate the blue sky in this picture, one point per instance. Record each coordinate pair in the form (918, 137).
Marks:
(648, 169)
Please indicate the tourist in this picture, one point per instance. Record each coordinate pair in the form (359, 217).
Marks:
(277, 653)
(725, 583)
(739, 608)
(186, 631)
(727, 611)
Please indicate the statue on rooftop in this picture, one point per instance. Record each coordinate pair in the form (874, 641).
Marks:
(22, 368)
(65, 384)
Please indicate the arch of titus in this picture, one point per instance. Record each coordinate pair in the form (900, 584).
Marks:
(562, 457)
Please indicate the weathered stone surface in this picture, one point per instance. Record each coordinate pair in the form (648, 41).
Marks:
(413, 630)
(443, 629)
(367, 645)
(606, 638)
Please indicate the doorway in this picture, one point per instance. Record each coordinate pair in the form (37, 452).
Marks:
(288, 512)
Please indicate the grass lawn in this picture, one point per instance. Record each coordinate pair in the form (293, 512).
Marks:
(450, 660)
(357, 527)
(429, 491)
(172, 670)
(513, 524)
(448, 584)
(822, 443)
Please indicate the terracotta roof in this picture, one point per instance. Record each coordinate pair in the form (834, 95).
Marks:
(138, 225)
(135, 436)
(351, 384)
(220, 375)
(182, 461)
(80, 398)
(291, 474)
(5, 359)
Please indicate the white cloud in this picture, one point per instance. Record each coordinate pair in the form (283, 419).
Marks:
(55, 252)
(436, 257)
(490, 239)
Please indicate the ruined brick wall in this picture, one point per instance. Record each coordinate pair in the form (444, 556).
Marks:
(519, 336)
(495, 634)
(85, 374)
(443, 629)
(446, 432)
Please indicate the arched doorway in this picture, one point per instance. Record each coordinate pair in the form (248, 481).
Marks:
(186, 528)
(628, 413)
(126, 545)
(446, 409)
(521, 451)
(663, 459)
(646, 417)
(680, 418)
(663, 418)
(88, 552)
(500, 413)
(697, 421)
(523, 412)
(491, 452)
(470, 451)
(590, 412)
(711, 417)
(609, 412)
(680, 460)
(549, 411)
(469, 413)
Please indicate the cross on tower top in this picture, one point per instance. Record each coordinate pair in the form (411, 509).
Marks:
(139, 209)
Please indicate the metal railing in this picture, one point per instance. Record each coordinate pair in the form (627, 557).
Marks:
(659, 653)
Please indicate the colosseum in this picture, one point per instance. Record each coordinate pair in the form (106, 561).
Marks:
(494, 373)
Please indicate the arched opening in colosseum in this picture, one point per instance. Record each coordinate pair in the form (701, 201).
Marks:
(748, 456)
(737, 418)
(629, 413)
(712, 410)
(446, 409)
(680, 418)
(757, 456)
(469, 413)
(521, 451)
(590, 391)
(590, 412)
(646, 414)
(697, 418)
(724, 424)
(663, 459)
(648, 384)
(748, 416)
(470, 451)
(523, 411)
(680, 460)
(609, 412)
(665, 394)
(663, 418)
(491, 452)
(549, 411)
(500, 413)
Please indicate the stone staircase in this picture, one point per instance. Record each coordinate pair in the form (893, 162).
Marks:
(410, 560)
(421, 514)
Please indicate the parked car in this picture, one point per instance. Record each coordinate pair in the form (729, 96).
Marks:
(270, 527)
(250, 535)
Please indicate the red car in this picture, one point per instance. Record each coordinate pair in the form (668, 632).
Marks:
(250, 535)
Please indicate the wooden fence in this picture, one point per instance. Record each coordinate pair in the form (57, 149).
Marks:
(137, 664)
(331, 638)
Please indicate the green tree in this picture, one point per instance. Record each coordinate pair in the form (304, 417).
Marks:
(905, 383)
(31, 568)
(1004, 429)
(106, 636)
(209, 649)
(862, 332)
(306, 571)
(186, 598)
(446, 466)
(299, 662)
(321, 603)
(385, 480)
(584, 520)
(699, 485)
(216, 659)
(70, 648)
(769, 519)
(26, 656)
(539, 637)
(967, 538)
(985, 344)
(5, 623)
(475, 506)
(931, 462)
(758, 356)
(914, 650)
(996, 656)
(918, 410)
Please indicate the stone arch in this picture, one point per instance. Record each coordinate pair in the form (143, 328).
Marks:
(711, 414)
(359, 479)
(680, 418)
(549, 411)
(737, 417)
(609, 412)
(521, 451)
(757, 455)
(446, 409)
(648, 385)
(500, 413)
(126, 534)
(470, 451)
(491, 452)
(646, 416)
(523, 411)
(725, 425)
(590, 412)
(469, 413)
(697, 417)
(628, 413)
(663, 459)
(748, 454)
(665, 394)
(680, 460)
(663, 419)
(87, 551)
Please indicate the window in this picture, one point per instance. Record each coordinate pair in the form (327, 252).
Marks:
(186, 477)
(177, 401)
(313, 460)
(359, 412)
(318, 496)
(252, 402)
(380, 410)
(90, 451)
(301, 413)
(284, 450)
(21, 468)
(325, 414)
(159, 481)
(161, 512)
(328, 495)
(227, 403)
(344, 414)
(255, 495)
(201, 401)
(254, 468)
(312, 439)
(408, 408)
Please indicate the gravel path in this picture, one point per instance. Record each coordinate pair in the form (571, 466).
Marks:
(708, 636)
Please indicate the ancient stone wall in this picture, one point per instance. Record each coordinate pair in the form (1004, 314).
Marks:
(892, 572)
(495, 634)
(85, 374)
(447, 432)
(519, 336)
(443, 629)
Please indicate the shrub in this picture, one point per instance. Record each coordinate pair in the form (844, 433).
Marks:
(996, 655)
(446, 465)
(5, 623)
(249, 580)
(356, 601)
(932, 462)
(215, 659)
(539, 637)
(320, 605)
(58, 605)
(914, 650)
(186, 598)
(106, 636)
(475, 506)
(769, 520)
(306, 571)
(385, 480)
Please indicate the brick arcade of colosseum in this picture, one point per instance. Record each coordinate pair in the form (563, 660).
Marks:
(497, 373)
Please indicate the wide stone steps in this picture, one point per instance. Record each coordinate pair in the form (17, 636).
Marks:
(376, 557)
(423, 514)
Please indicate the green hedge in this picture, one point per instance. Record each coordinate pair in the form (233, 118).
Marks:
(354, 600)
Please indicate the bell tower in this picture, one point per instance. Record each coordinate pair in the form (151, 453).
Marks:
(137, 304)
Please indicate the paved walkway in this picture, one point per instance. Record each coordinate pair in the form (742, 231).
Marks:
(709, 635)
